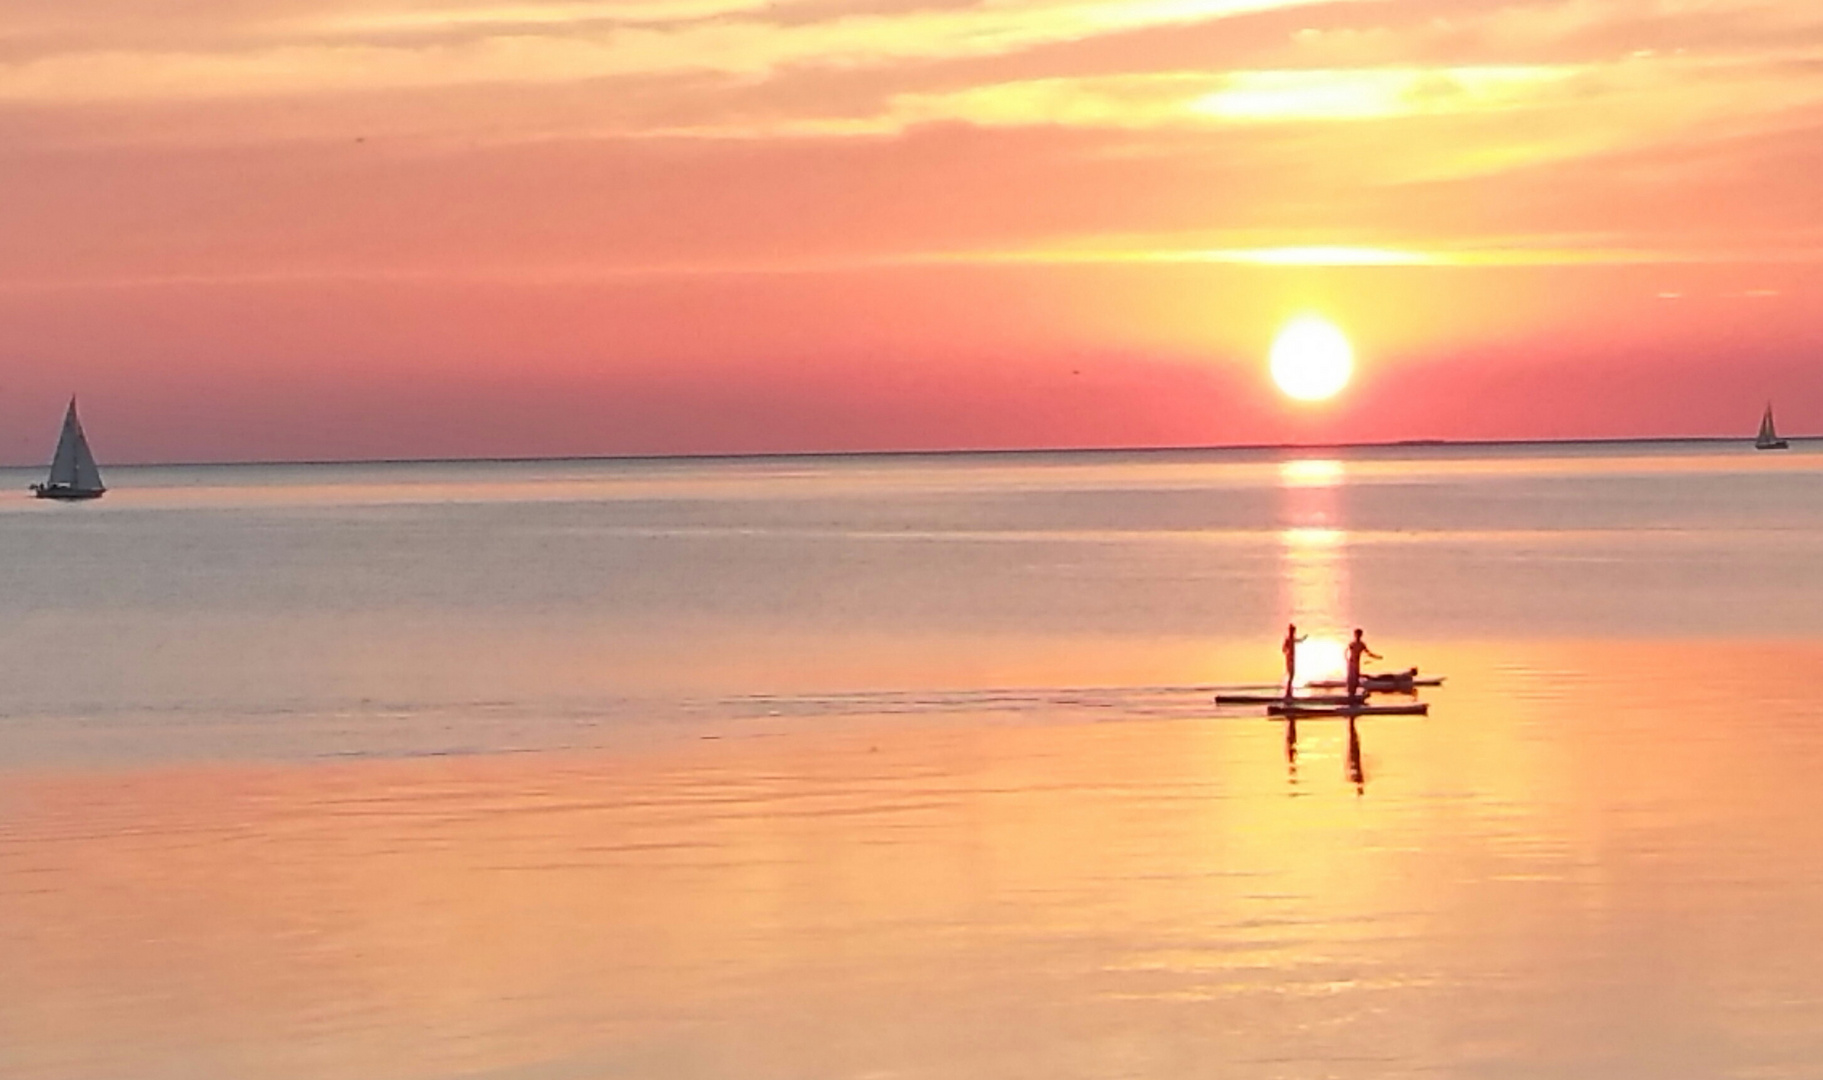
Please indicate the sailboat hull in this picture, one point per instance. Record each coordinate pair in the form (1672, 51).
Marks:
(1772, 444)
(65, 494)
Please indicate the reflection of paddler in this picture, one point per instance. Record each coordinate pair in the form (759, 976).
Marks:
(1357, 649)
(1292, 637)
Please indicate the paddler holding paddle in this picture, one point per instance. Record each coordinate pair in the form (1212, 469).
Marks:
(1292, 637)
(1356, 650)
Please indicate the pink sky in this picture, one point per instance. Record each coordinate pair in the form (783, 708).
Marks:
(399, 228)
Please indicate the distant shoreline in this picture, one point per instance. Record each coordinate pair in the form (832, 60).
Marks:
(817, 455)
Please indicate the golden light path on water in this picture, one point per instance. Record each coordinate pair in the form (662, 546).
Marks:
(1314, 554)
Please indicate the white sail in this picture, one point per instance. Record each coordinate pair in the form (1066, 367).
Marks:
(73, 466)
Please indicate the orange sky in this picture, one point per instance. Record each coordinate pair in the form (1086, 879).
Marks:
(347, 228)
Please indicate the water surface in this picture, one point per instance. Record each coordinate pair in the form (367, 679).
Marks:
(908, 767)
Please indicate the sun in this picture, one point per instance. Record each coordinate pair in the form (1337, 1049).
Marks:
(1311, 359)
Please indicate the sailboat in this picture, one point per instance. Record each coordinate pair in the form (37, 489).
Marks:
(73, 471)
(1769, 438)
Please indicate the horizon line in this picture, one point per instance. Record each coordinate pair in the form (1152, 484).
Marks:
(1388, 444)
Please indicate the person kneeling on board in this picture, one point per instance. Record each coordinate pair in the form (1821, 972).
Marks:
(1356, 650)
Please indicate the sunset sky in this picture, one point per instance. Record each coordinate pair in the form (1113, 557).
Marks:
(405, 228)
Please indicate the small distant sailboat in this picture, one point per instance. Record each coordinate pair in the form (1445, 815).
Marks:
(73, 471)
(1769, 437)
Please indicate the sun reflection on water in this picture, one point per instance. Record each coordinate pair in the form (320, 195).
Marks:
(1313, 552)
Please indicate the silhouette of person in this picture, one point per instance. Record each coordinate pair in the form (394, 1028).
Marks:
(1290, 649)
(1356, 650)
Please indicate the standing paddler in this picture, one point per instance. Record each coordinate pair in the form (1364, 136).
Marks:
(1356, 650)
(1292, 637)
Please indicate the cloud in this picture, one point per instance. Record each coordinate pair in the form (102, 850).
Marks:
(567, 51)
(708, 134)
(1197, 99)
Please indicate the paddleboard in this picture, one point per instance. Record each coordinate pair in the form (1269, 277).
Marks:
(1380, 682)
(1279, 699)
(1296, 712)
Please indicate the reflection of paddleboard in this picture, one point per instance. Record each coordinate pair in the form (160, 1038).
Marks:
(1279, 699)
(1347, 711)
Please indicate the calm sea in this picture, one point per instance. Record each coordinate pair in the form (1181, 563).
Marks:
(909, 767)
